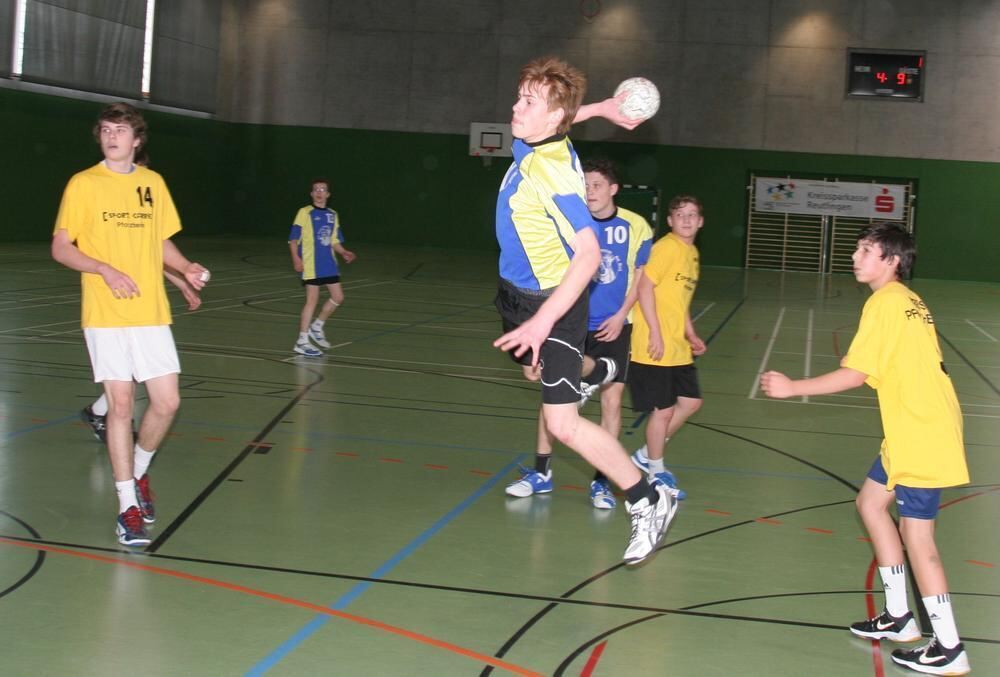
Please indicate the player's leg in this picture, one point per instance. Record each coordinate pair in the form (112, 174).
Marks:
(302, 344)
(896, 622)
(157, 367)
(316, 333)
(539, 479)
(601, 495)
(945, 652)
(686, 389)
(114, 367)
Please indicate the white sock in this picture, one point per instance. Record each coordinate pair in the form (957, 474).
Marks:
(141, 460)
(942, 619)
(656, 465)
(126, 495)
(318, 325)
(100, 407)
(303, 337)
(894, 583)
(642, 452)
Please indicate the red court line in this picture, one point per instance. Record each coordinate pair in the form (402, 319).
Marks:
(978, 563)
(870, 604)
(718, 512)
(768, 520)
(433, 466)
(291, 601)
(595, 656)
(817, 530)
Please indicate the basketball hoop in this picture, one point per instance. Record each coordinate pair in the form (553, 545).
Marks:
(487, 154)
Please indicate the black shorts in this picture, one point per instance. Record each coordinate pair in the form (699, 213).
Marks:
(320, 281)
(561, 358)
(618, 350)
(655, 387)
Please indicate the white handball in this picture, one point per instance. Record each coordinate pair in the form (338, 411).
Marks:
(205, 276)
(643, 99)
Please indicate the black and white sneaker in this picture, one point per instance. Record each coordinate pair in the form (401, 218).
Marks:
(887, 626)
(97, 423)
(934, 659)
(588, 388)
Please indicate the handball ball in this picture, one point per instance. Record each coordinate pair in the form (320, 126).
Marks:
(643, 98)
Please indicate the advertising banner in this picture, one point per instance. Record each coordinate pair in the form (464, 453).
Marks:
(830, 198)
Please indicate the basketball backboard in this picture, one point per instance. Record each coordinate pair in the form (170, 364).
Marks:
(490, 139)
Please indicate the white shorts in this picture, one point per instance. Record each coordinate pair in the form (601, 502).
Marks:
(131, 353)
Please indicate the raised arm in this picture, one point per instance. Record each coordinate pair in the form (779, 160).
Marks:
(607, 109)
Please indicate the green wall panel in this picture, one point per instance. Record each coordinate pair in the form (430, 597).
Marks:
(424, 190)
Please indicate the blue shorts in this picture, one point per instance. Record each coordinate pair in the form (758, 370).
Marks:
(921, 504)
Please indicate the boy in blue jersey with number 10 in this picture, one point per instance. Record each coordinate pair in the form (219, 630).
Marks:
(549, 253)
(314, 239)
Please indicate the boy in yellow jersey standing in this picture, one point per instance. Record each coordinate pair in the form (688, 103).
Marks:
(548, 254)
(662, 377)
(314, 242)
(896, 352)
(114, 225)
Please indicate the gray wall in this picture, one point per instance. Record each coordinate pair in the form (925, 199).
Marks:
(750, 74)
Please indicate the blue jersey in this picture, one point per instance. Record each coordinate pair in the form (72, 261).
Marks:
(317, 230)
(625, 239)
(541, 206)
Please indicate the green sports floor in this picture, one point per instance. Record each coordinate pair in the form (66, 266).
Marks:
(345, 515)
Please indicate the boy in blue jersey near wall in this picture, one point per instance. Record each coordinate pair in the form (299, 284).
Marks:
(896, 352)
(548, 254)
(625, 239)
(314, 238)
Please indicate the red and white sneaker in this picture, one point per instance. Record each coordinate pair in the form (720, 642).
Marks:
(145, 496)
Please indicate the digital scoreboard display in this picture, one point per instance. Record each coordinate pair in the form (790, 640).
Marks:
(885, 74)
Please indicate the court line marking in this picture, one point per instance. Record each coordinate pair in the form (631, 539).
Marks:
(290, 601)
(318, 622)
(767, 354)
(982, 331)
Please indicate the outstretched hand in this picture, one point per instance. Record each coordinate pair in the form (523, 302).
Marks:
(775, 384)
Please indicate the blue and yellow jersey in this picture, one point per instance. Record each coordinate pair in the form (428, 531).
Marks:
(541, 206)
(625, 239)
(317, 230)
(122, 220)
(897, 348)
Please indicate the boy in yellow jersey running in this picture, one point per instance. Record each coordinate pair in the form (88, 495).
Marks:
(896, 352)
(548, 254)
(114, 225)
(662, 377)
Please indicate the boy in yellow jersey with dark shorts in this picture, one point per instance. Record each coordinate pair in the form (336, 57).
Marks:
(896, 352)
(663, 380)
(114, 226)
(548, 254)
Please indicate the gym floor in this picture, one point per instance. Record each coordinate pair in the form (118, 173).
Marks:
(346, 514)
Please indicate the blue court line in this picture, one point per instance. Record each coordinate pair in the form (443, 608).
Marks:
(320, 620)
(30, 429)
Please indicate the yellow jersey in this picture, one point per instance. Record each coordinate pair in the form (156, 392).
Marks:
(897, 348)
(121, 220)
(673, 269)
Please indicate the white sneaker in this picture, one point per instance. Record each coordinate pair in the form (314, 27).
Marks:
(318, 337)
(307, 349)
(649, 524)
